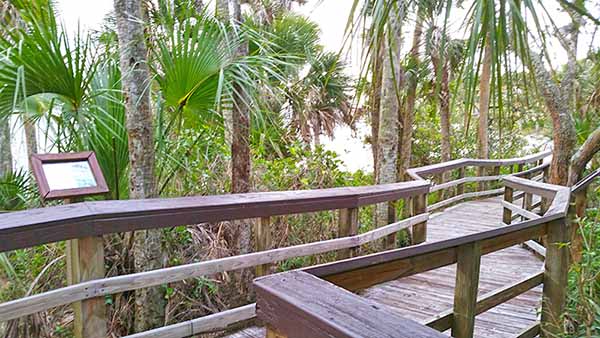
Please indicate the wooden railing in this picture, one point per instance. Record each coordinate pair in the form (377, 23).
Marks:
(466, 251)
(81, 220)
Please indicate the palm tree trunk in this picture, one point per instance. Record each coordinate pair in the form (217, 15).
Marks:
(148, 255)
(240, 146)
(484, 101)
(392, 78)
(5, 152)
(222, 9)
(444, 106)
(30, 138)
(375, 106)
(411, 95)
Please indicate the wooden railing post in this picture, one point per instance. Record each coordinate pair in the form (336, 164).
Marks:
(576, 213)
(481, 171)
(85, 261)
(390, 240)
(419, 231)
(460, 188)
(348, 226)
(507, 213)
(262, 233)
(465, 292)
(555, 277)
(496, 172)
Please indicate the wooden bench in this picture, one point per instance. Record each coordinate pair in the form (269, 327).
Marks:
(297, 304)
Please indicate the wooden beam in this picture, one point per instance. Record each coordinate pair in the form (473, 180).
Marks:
(443, 320)
(211, 323)
(465, 291)
(101, 287)
(32, 227)
(347, 226)
(530, 332)
(555, 277)
(419, 231)
(301, 305)
(522, 212)
(506, 212)
(262, 233)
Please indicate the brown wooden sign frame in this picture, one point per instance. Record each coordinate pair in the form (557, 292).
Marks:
(38, 160)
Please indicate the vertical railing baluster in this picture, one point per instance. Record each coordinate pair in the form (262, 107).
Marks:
(419, 231)
(390, 240)
(465, 291)
(507, 213)
(555, 277)
(460, 188)
(262, 233)
(347, 226)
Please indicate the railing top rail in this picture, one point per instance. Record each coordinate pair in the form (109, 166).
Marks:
(38, 226)
(560, 195)
(586, 181)
(454, 164)
(386, 257)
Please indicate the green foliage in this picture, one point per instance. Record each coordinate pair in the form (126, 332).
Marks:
(583, 302)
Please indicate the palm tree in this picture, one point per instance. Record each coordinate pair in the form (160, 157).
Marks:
(149, 302)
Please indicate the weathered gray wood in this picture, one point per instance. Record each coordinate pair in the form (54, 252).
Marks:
(530, 332)
(300, 305)
(107, 286)
(38, 226)
(464, 196)
(443, 321)
(215, 322)
(419, 231)
(460, 187)
(348, 226)
(465, 291)
(536, 248)
(522, 212)
(262, 233)
(507, 213)
(555, 277)
(390, 241)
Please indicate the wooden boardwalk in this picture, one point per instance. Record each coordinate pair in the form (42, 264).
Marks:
(424, 295)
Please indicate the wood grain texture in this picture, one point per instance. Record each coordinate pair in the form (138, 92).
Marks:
(107, 286)
(347, 226)
(300, 305)
(465, 291)
(39, 226)
(424, 295)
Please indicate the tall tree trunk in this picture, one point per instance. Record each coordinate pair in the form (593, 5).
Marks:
(408, 119)
(240, 146)
(222, 9)
(392, 78)
(377, 64)
(5, 152)
(149, 302)
(443, 104)
(29, 127)
(558, 101)
(484, 101)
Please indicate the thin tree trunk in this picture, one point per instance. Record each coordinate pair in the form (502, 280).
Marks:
(148, 255)
(240, 146)
(409, 114)
(30, 138)
(484, 101)
(392, 78)
(584, 154)
(375, 107)
(5, 152)
(444, 99)
(222, 9)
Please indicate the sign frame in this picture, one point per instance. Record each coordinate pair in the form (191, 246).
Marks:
(38, 161)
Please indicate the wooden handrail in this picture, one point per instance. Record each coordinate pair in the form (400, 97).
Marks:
(38, 226)
(418, 172)
(32, 227)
